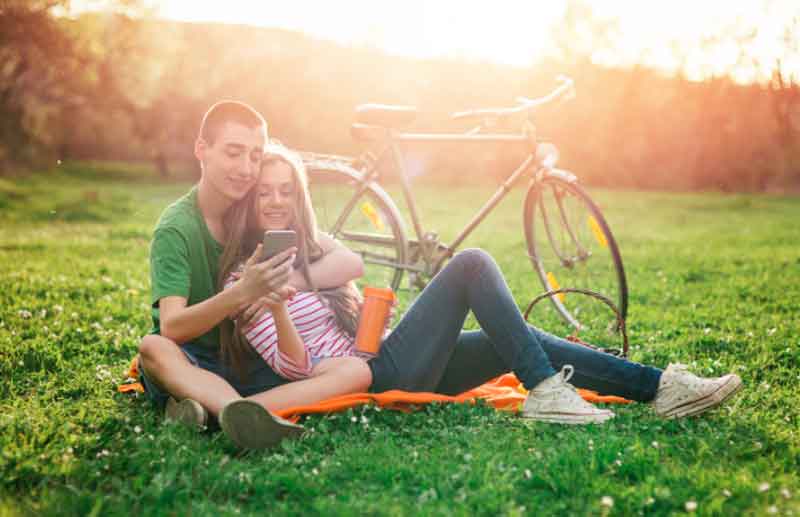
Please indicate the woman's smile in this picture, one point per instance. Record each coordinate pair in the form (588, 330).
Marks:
(275, 219)
(276, 197)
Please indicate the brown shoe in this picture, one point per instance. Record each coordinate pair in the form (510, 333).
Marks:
(250, 426)
(188, 412)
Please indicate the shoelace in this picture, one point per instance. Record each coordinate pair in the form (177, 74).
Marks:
(566, 372)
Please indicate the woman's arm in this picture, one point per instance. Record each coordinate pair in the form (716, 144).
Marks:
(337, 266)
(290, 345)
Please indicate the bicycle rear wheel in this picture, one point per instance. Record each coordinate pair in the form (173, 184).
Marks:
(571, 245)
(362, 217)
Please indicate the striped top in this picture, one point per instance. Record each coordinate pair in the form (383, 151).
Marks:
(318, 329)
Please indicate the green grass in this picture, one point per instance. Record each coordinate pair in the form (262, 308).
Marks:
(715, 282)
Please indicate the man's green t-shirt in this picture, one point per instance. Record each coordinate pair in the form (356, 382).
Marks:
(184, 260)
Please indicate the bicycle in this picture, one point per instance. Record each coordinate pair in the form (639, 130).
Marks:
(568, 239)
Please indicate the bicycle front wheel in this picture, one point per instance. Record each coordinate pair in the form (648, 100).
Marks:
(571, 245)
(362, 217)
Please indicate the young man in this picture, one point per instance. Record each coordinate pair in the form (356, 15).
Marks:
(180, 361)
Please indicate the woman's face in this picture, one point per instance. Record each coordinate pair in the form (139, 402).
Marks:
(276, 197)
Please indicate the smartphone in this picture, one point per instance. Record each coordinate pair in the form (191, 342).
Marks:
(276, 241)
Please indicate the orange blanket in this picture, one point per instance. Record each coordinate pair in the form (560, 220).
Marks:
(504, 393)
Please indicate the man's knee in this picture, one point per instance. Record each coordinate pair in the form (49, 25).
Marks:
(156, 351)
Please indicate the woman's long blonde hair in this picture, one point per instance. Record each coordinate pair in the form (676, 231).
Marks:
(244, 235)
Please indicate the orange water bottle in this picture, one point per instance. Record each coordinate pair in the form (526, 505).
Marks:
(374, 314)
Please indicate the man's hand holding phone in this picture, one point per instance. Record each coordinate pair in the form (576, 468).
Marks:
(265, 279)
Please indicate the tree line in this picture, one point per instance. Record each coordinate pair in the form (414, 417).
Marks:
(121, 87)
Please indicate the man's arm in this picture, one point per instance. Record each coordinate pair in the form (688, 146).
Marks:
(337, 266)
(180, 322)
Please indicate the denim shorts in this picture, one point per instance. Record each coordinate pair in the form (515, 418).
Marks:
(259, 377)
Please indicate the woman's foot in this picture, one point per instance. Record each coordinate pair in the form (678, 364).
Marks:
(555, 400)
(188, 412)
(682, 394)
(250, 426)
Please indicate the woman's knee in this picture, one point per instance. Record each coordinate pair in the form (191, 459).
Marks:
(359, 373)
(473, 259)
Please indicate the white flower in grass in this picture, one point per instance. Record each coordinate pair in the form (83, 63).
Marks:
(57, 308)
(649, 501)
(655, 445)
(785, 493)
(690, 506)
(726, 493)
(137, 429)
(772, 510)
(763, 487)
(24, 314)
(607, 501)
(528, 474)
(772, 331)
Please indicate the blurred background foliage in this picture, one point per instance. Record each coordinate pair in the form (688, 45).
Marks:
(122, 85)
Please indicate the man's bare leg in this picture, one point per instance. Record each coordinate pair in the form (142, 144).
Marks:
(166, 364)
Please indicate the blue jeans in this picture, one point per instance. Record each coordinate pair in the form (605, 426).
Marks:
(428, 351)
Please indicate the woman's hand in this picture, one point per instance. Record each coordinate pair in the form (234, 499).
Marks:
(263, 284)
(272, 301)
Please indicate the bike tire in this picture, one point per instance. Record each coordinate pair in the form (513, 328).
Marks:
(363, 217)
(561, 247)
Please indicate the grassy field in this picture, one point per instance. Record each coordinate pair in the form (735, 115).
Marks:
(715, 283)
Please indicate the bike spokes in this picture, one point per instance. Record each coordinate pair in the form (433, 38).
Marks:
(360, 219)
(572, 247)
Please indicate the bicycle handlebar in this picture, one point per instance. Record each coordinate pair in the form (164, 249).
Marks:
(565, 89)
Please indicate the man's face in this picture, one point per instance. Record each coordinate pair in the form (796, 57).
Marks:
(231, 163)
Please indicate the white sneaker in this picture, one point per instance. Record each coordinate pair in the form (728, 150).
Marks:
(250, 426)
(681, 393)
(188, 412)
(555, 400)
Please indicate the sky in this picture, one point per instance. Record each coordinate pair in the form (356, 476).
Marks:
(661, 34)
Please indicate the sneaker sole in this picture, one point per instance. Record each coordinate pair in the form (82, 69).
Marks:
(562, 418)
(187, 411)
(710, 401)
(250, 426)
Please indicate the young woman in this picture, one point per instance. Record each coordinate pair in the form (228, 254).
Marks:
(310, 335)
(301, 334)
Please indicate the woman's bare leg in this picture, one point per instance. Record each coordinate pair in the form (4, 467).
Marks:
(330, 378)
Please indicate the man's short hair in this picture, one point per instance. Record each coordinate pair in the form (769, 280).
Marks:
(229, 111)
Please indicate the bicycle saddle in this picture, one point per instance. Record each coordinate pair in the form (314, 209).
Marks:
(384, 115)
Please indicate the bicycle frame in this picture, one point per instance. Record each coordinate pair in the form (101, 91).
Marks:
(432, 252)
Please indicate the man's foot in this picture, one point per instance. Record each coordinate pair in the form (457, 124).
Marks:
(555, 400)
(188, 412)
(250, 426)
(682, 394)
